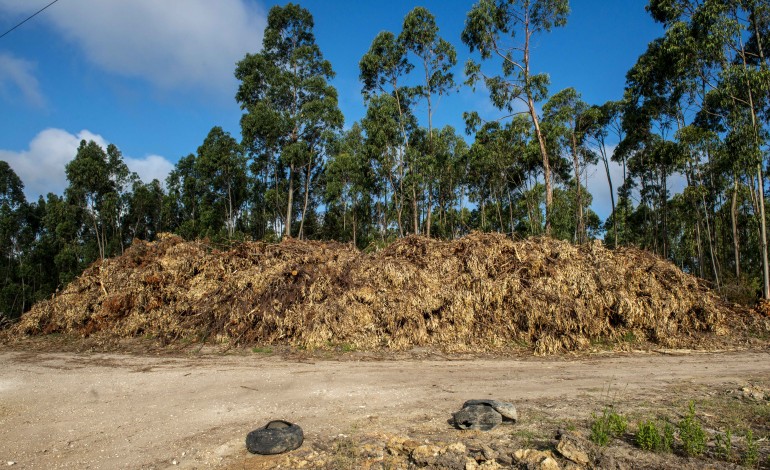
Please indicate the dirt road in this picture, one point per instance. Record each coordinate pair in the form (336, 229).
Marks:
(114, 411)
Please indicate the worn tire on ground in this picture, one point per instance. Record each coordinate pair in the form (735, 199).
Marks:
(480, 417)
(507, 410)
(275, 437)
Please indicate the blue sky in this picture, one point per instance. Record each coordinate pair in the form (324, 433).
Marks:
(153, 77)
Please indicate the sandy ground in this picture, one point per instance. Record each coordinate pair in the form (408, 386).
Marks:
(119, 411)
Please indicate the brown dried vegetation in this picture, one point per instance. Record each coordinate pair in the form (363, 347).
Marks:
(483, 292)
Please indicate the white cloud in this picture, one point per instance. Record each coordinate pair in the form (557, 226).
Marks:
(190, 44)
(41, 167)
(150, 167)
(16, 76)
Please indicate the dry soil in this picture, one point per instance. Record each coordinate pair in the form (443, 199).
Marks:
(67, 410)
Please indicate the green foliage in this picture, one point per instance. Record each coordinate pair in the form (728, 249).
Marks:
(695, 108)
(667, 438)
(691, 433)
(648, 437)
(651, 436)
(291, 110)
(751, 454)
(606, 426)
(724, 445)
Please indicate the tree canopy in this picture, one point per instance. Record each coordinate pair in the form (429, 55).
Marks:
(695, 112)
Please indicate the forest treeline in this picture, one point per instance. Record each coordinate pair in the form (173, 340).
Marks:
(696, 105)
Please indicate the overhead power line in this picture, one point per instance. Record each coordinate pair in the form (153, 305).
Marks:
(28, 18)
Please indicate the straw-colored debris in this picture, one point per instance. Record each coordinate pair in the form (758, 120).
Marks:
(479, 293)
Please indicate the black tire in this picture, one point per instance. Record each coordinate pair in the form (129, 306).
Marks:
(507, 410)
(276, 437)
(481, 417)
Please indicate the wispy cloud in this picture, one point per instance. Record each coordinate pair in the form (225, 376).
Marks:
(17, 77)
(190, 44)
(41, 166)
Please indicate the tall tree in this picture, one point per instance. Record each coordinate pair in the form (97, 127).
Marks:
(221, 169)
(491, 28)
(349, 181)
(182, 204)
(568, 118)
(709, 71)
(13, 206)
(89, 186)
(383, 70)
(420, 37)
(286, 98)
(383, 126)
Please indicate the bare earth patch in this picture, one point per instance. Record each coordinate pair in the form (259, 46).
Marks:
(69, 410)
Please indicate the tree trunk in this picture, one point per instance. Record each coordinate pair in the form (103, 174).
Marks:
(307, 192)
(415, 213)
(664, 206)
(290, 199)
(538, 132)
(612, 193)
(483, 215)
(510, 212)
(429, 211)
(579, 224)
(230, 217)
(760, 183)
(546, 166)
(499, 211)
(763, 225)
(734, 221)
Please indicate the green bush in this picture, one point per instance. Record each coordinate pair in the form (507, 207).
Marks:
(751, 456)
(648, 437)
(667, 442)
(610, 424)
(724, 445)
(691, 433)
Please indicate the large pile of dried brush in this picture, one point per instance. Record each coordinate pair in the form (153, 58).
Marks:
(479, 293)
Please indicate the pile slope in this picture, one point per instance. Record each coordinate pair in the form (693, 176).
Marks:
(482, 292)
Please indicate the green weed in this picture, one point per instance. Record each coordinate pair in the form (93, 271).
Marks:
(724, 445)
(691, 433)
(751, 455)
(606, 426)
(667, 442)
(648, 437)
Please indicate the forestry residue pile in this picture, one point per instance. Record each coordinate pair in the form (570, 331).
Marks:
(481, 292)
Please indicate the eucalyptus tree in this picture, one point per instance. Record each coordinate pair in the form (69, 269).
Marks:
(182, 203)
(569, 121)
(221, 171)
(492, 27)
(419, 36)
(603, 121)
(144, 218)
(287, 100)
(499, 167)
(89, 187)
(350, 181)
(384, 123)
(384, 70)
(447, 174)
(722, 43)
(13, 206)
(12, 202)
